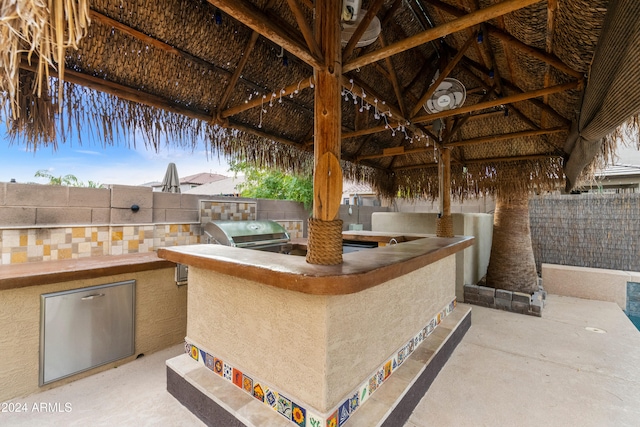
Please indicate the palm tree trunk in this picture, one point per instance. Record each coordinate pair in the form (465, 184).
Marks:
(512, 265)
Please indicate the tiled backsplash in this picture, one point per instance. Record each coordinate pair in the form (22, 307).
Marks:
(21, 245)
(50, 244)
(211, 210)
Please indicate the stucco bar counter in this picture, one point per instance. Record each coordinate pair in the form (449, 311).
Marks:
(306, 344)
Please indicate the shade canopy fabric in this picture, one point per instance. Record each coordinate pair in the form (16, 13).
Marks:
(171, 181)
(612, 94)
(241, 76)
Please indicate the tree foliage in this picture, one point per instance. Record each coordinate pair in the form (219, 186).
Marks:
(274, 184)
(67, 180)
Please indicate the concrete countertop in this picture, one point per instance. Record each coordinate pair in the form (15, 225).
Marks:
(42, 273)
(359, 270)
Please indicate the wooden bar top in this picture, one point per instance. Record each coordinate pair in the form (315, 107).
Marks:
(42, 273)
(359, 270)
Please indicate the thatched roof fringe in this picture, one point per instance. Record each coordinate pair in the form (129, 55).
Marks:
(45, 29)
(628, 134)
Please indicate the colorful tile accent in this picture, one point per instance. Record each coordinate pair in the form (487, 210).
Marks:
(51, 244)
(221, 210)
(306, 417)
(247, 384)
(237, 377)
(284, 407)
(298, 415)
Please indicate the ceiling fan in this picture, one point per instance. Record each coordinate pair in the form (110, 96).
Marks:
(352, 15)
(450, 94)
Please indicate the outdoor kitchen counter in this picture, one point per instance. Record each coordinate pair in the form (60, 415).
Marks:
(359, 270)
(42, 273)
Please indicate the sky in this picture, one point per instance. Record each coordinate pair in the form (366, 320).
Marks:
(122, 165)
(103, 165)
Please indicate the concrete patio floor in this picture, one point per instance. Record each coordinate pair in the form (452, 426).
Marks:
(577, 365)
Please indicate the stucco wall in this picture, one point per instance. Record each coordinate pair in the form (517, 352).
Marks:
(472, 262)
(316, 349)
(160, 322)
(588, 283)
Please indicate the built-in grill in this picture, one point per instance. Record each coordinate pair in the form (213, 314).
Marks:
(261, 235)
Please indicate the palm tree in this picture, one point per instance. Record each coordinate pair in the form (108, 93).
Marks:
(512, 265)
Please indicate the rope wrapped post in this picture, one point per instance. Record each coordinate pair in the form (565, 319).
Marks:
(324, 246)
(444, 226)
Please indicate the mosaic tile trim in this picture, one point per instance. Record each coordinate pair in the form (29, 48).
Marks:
(307, 416)
(295, 228)
(51, 244)
(211, 210)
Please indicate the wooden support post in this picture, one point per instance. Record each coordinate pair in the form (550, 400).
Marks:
(444, 226)
(325, 230)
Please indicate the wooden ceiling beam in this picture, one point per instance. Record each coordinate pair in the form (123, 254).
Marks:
(502, 137)
(460, 121)
(488, 160)
(393, 78)
(392, 153)
(552, 6)
(123, 92)
(514, 158)
(466, 21)
(260, 100)
(443, 74)
(173, 50)
(307, 33)
(254, 18)
(512, 87)
(510, 40)
(262, 134)
(238, 71)
(501, 101)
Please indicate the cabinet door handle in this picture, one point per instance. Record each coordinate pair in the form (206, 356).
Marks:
(88, 297)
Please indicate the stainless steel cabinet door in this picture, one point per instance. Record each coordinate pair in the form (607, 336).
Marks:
(85, 328)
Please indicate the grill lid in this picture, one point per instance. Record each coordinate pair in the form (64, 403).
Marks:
(245, 234)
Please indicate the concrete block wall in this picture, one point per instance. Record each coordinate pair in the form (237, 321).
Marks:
(47, 223)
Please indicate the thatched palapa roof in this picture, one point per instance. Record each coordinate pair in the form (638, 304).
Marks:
(240, 73)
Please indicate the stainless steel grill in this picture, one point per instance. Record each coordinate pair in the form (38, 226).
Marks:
(261, 235)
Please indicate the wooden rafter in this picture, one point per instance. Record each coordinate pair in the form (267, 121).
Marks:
(460, 121)
(445, 72)
(395, 153)
(122, 91)
(514, 158)
(307, 33)
(136, 95)
(510, 40)
(552, 6)
(512, 87)
(172, 50)
(260, 133)
(501, 101)
(431, 34)
(252, 17)
(237, 73)
(258, 101)
(513, 135)
(393, 77)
